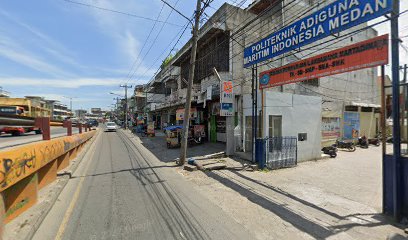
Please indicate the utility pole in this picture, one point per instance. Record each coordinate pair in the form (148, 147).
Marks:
(125, 110)
(403, 109)
(405, 92)
(116, 105)
(70, 103)
(396, 129)
(186, 122)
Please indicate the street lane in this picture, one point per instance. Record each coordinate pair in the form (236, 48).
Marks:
(126, 194)
(7, 140)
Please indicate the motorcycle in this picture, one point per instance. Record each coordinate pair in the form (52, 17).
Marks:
(345, 145)
(374, 141)
(330, 150)
(363, 142)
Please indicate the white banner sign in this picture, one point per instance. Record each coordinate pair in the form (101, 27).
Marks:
(227, 99)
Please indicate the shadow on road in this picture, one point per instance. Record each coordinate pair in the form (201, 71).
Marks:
(300, 221)
(167, 203)
(132, 170)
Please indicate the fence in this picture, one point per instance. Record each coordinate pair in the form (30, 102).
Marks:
(276, 152)
(27, 168)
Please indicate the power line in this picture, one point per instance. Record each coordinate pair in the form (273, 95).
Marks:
(206, 4)
(265, 11)
(242, 2)
(119, 12)
(153, 42)
(144, 44)
(328, 41)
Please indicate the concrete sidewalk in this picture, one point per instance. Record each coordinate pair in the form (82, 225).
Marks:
(328, 199)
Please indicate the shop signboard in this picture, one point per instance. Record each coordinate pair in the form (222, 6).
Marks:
(369, 53)
(150, 129)
(335, 17)
(351, 125)
(330, 127)
(227, 99)
(180, 113)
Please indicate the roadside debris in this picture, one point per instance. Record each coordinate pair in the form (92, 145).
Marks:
(204, 165)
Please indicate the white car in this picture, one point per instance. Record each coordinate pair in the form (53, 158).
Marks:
(111, 126)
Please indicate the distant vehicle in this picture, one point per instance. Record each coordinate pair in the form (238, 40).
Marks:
(92, 122)
(12, 110)
(17, 130)
(111, 127)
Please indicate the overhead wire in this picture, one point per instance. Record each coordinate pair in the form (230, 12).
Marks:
(206, 4)
(153, 42)
(144, 44)
(328, 41)
(262, 13)
(119, 12)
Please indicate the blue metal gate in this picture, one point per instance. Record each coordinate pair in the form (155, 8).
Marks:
(281, 152)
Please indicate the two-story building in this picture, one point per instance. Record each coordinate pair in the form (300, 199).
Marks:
(221, 43)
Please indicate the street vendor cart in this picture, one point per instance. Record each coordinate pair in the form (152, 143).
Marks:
(173, 136)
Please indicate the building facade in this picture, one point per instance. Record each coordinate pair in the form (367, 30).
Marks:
(221, 43)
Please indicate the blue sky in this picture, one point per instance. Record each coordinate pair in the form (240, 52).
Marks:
(54, 48)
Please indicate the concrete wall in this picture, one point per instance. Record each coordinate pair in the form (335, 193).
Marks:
(300, 114)
(368, 123)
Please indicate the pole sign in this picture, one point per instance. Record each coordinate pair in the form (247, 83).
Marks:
(369, 53)
(334, 18)
(227, 99)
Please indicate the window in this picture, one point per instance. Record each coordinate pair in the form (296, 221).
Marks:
(275, 126)
(275, 130)
(351, 108)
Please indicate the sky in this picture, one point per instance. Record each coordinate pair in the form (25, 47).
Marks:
(60, 50)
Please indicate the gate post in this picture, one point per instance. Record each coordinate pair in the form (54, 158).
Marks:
(260, 152)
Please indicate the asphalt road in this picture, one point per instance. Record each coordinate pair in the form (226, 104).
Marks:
(120, 191)
(7, 140)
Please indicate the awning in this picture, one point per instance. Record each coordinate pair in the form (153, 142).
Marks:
(364, 105)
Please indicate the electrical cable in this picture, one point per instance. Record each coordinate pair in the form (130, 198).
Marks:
(119, 12)
(144, 44)
(341, 38)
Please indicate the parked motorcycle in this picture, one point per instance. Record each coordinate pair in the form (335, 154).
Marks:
(349, 146)
(363, 142)
(374, 141)
(330, 150)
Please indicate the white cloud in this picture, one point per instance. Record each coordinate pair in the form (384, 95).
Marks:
(26, 58)
(59, 83)
(46, 43)
(123, 31)
(131, 46)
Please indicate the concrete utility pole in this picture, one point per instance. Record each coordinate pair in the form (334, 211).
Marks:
(396, 130)
(406, 100)
(186, 122)
(70, 103)
(125, 110)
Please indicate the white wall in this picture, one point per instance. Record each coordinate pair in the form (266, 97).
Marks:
(300, 114)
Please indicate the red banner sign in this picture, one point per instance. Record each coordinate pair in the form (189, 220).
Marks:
(366, 54)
